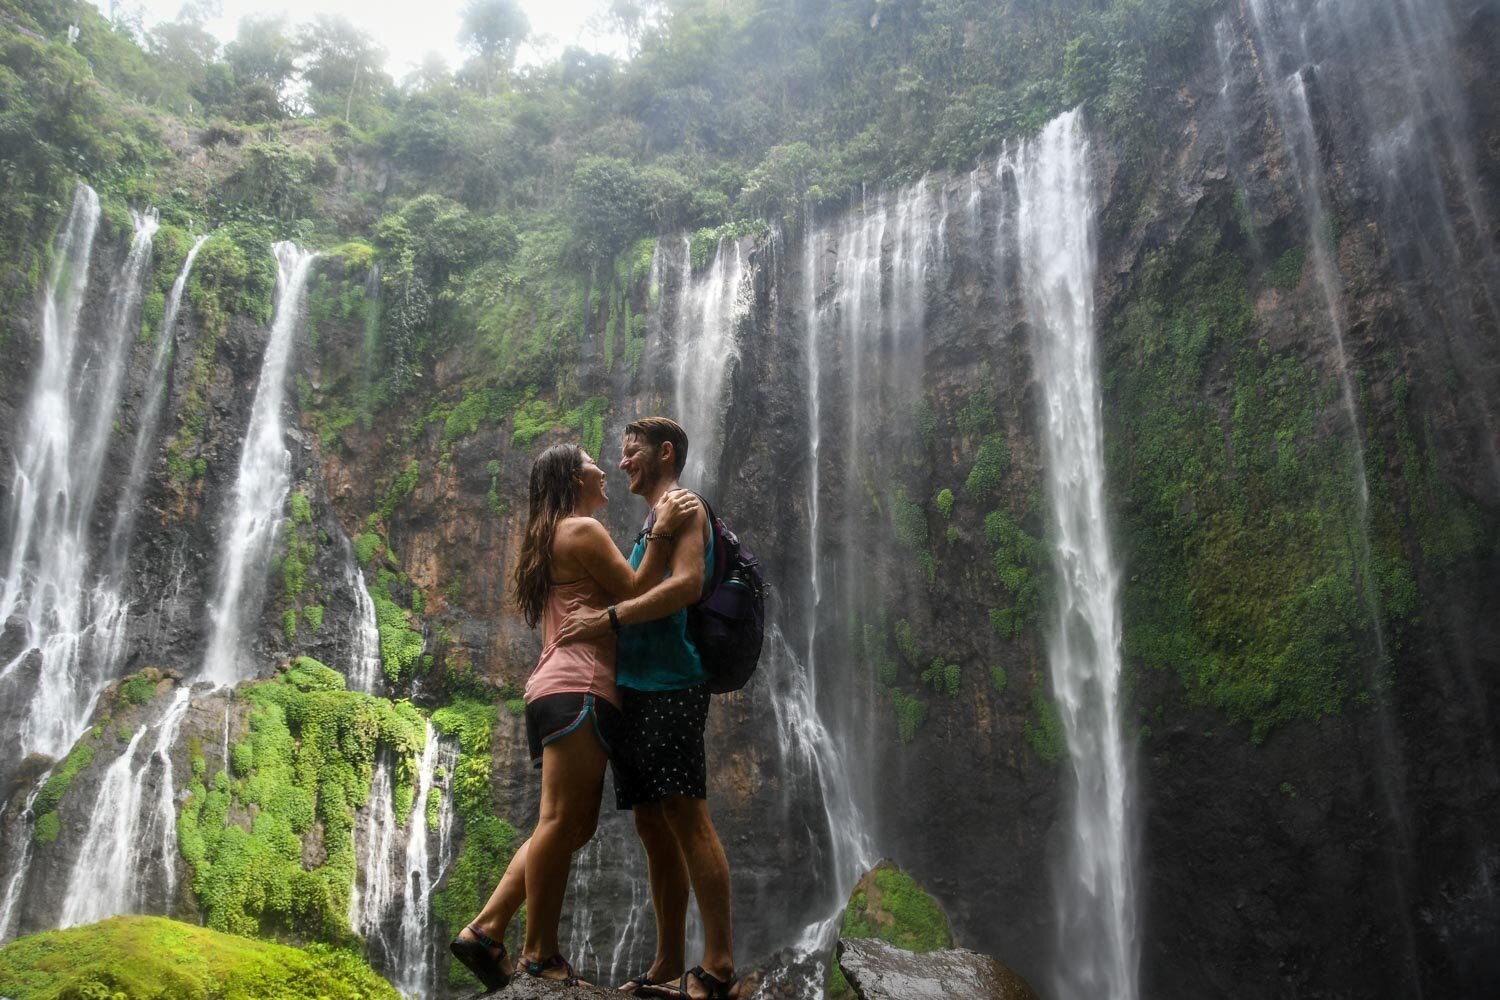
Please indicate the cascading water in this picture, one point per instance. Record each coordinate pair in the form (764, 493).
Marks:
(75, 626)
(112, 872)
(374, 847)
(709, 309)
(416, 951)
(153, 395)
(1099, 953)
(397, 870)
(260, 491)
(364, 628)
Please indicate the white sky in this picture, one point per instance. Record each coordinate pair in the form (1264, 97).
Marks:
(408, 29)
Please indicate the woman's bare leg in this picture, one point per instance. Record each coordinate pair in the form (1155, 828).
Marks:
(572, 784)
(503, 902)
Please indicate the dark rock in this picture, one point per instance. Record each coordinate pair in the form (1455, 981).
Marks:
(881, 971)
(527, 988)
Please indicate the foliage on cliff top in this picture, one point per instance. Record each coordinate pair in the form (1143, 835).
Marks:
(152, 958)
(303, 769)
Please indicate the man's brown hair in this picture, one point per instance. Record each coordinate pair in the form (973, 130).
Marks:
(656, 430)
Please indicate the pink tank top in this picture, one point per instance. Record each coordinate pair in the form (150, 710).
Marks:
(580, 666)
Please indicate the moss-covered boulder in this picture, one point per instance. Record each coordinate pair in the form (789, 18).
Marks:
(152, 958)
(890, 906)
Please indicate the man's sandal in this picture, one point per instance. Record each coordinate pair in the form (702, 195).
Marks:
(475, 956)
(718, 989)
(536, 969)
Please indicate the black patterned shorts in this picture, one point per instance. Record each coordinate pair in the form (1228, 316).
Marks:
(661, 753)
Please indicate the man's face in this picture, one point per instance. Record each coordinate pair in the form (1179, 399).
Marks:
(641, 464)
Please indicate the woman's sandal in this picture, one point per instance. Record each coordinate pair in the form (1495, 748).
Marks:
(640, 986)
(535, 970)
(475, 956)
(718, 989)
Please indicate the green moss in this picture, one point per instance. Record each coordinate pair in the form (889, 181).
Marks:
(488, 841)
(1017, 561)
(303, 769)
(945, 678)
(998, 678)
(533, 418)
(978, 413)
(289, 624)
(1242, 523)
(990, 467)
(366, 545)
(1044, 731)
(138, 690)
(911, 712)
(301, 508)
(910, 521)
(944, 502)
(588, 420)
(51, 795)
(401, 488)
(888, 905)
(314, 615)
(1286, 273)
(906, 641)
(152, 957)
(48, 826)
(400, 644)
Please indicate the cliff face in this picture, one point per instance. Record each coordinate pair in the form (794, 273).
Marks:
(1297, 338)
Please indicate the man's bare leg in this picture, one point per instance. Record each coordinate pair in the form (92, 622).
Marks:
(668, 873)
(708, 868)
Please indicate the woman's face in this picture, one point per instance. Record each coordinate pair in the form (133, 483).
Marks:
(591, 492)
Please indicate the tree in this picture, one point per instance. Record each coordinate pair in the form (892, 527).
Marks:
(343, 66)
(263, 51)
(492, 30)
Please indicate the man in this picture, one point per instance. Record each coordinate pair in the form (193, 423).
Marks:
(661, 772)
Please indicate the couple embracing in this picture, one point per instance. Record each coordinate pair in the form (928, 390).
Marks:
(618, 682)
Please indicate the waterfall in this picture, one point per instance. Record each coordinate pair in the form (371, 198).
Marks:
(111, 871)
(364, 631)
(709, 309)
(416, 951)
(397, 871)
(153, 395)
(374, 839)
(75, 625)
(260, 491)
(1099, 953)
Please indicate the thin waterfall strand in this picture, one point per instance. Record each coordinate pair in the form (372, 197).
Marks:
(260, 491)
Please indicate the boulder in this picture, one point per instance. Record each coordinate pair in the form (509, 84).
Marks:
(878, 970)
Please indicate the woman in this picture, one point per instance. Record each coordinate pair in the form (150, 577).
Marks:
(568, 562)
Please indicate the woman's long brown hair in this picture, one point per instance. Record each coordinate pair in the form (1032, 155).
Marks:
(553, 496)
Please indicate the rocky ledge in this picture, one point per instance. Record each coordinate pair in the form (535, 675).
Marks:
(881, 971)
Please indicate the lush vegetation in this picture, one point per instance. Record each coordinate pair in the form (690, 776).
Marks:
(294, 782)
(152, 958)
(890, 906)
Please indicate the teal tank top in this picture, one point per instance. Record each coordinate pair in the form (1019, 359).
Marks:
(659, 656)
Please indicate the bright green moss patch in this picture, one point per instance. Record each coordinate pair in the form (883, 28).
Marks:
(911, 712)
(158, 959)
(366, 545)
(1044, 730)
(304, 768)
(57, 786)
(314, 615)
(301, 508)
(48, 826)
(944, 502)
(990, 467)
(138, 690)
(890, 906)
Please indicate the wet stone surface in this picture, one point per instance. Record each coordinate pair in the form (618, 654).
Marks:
(880, 971)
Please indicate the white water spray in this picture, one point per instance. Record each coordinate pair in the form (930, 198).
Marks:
(1099, 953)
(709, 309)
(260, 491)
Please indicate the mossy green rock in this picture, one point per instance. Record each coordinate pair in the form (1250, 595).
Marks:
(890, 906)
(152, 958)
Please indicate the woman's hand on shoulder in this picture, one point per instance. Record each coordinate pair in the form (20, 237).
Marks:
(675, 510)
